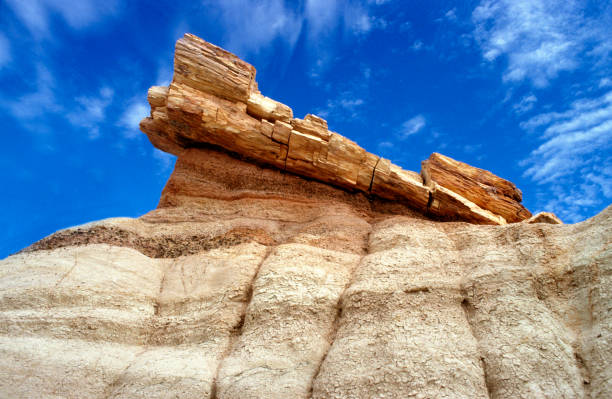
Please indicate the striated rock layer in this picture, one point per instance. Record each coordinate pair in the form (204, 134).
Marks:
(213, 99)
(247, 282)
(251, 282)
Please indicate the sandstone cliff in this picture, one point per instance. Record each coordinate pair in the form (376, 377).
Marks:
(251, 282)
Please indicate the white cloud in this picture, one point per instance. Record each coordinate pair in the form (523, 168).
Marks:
(164, 75)
(417, 45)
(538, 38)
(342, 107)
(35, 14)
(358, 20)
(385, 145)
(451, 14)
(5, 51)
(349, 100)
(134, 113)
(254, 25)
(526, 104)
(91, 111)
(324, 17)
(472, 148)
(412, 126)
(37, 103)
(573, 157)
(605, 82)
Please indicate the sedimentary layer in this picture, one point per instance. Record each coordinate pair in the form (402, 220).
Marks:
(214, 100)
(253, 283)
(312, 271)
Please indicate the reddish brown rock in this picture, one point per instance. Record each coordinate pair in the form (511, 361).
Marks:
(479, 186)
(214, 100)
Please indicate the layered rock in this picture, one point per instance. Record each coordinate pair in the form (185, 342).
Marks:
(482, 187)
(254, 283)
(250, 282)
(213, 99)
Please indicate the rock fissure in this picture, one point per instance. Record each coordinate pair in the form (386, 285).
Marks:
(465, 305)
(74, 265)
(287, 154)
(339, 309)
(236, 330)
(372, 178)
(109, 391)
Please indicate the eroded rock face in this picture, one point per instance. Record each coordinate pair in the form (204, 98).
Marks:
(251, 282)
(213, 99)
(248, 282)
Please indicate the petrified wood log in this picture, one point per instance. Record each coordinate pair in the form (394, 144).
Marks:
(214, 99)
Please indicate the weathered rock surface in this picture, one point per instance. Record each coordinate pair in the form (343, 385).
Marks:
(482, 187)
(544, 217)
(213, 99)
(250, 282)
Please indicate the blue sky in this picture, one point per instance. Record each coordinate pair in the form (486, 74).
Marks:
(519, 87)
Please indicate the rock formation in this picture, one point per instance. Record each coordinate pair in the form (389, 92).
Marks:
(213, 99)
(251, 282)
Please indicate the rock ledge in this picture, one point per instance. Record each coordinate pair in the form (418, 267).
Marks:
(214, 99)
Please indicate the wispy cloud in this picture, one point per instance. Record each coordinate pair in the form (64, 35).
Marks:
(574, 156)
(5, 51)
(91, 111)
(254, 25)
(526, 104)
(36, 103)
(605, 82)
(342, 107)
(348, 102)
(417, 45)
(412, 126)
(451, 14)
(323, 18)
(538, 38)
(36, 14)
(131, 117)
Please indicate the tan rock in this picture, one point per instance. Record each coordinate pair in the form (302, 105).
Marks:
(312, 125)
(545, 217)
(251, 282)
(390, 181)
(281, 132)
(210, 69)
(447, 205)
(266, 108)
(157, 96)
(214, 99)
(477, 185)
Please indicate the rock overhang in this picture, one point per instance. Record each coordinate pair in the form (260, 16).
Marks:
(214, 99)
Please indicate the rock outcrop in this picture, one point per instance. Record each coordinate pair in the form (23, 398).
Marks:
(251, 282)
(213, 99)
